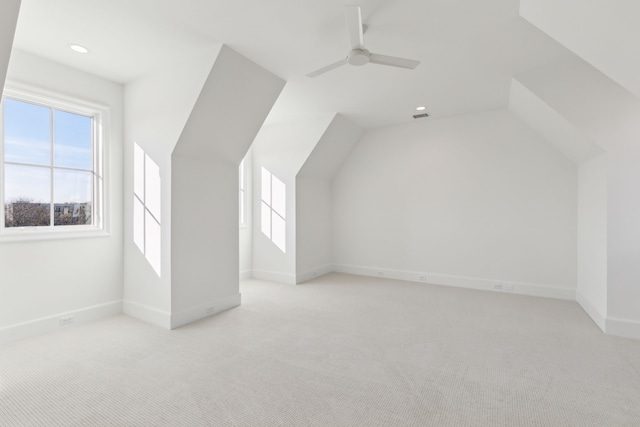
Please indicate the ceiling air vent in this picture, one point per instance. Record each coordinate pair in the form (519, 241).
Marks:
(420, 116)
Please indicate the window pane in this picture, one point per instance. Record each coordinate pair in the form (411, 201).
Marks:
(152, 242)
(27, 196)
(266, 186)
(138, 171)
(266, 219)
(278, 196)
(72, 197)
(152, 187)
(72, 140)
(241, 174)
(27, 133)
(279, 233)
(241, 206)
(138, 223)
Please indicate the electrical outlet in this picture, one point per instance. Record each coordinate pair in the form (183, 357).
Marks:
(381, 273)
(67, 320)
(422, 277)
(508, 287)
(210, 310)
(498, 286)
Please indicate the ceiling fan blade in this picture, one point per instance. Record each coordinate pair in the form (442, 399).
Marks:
(328, 68)
(354, 26)
(393, 61)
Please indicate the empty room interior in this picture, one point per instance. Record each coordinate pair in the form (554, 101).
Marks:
(320, 213)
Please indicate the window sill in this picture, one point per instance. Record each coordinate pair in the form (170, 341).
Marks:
(35, 235)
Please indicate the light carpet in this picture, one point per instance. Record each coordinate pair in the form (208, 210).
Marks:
(338, 351)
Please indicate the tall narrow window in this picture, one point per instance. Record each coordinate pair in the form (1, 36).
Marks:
(242, 201)
(273, 208)
(146, 207)
(51, 166)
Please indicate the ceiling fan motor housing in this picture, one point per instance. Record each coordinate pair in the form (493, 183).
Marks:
(358, 57)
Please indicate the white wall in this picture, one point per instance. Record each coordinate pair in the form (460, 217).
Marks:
(605, 33)
(8, 19)
(245, 232)
(610, 116)
(232, 106)
(314, 247)
(282, 149)
(469, 200)
(313, 227)
(45, 278)
(592, 238)
(157, 108)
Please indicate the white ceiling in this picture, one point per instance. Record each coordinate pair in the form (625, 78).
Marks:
(469, 49)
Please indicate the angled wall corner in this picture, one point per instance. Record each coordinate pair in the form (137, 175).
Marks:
(554, 128)
(314, 255)
(281, 150)
(230, 110)
(9, 10)
(157, 108)
(604, 33)
(590, 158)
(609, 115)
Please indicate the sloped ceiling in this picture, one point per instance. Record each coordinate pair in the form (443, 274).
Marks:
(469, 49)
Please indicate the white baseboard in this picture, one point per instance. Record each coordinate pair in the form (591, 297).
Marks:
(312, 274)
(48, 324)
(274, 276)
(623, 328)
(148, 314)
(246, 275)
(201, 311)
(462, 282)
(594, 314)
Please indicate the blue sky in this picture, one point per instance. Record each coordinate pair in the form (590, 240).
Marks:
(27, 139)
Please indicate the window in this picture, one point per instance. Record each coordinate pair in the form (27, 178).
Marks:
(274, 194)
(52, 179)
(242, 201)
(146, 207)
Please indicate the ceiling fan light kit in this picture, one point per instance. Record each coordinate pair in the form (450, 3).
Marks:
(358, 55)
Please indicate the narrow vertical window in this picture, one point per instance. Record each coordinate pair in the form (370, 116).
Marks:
(147, 207)
(273, 209)
(242, 201)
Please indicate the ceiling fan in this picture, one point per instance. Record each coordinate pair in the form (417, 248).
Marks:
(358, 54)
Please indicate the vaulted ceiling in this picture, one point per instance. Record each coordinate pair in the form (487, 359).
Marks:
(469, 49)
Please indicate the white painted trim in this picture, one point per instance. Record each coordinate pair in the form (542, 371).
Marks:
(49, 324)
(274, 276)
(313, 273)
(623, 328)
(594, 314)
(462, 281)
(246, 275)
(147, 314)
(201, 311)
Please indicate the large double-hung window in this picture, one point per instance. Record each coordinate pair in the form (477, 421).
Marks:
(52, 180)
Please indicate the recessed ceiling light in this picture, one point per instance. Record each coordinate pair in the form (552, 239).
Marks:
(78, 48)
(421, 108)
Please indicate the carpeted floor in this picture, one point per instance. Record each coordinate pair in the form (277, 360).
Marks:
(338, 351)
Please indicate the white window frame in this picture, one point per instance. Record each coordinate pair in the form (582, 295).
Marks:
(147, 212)
(101, 116)
(267, 206)
(242, 194)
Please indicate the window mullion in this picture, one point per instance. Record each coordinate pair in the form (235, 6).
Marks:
(51, 174)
